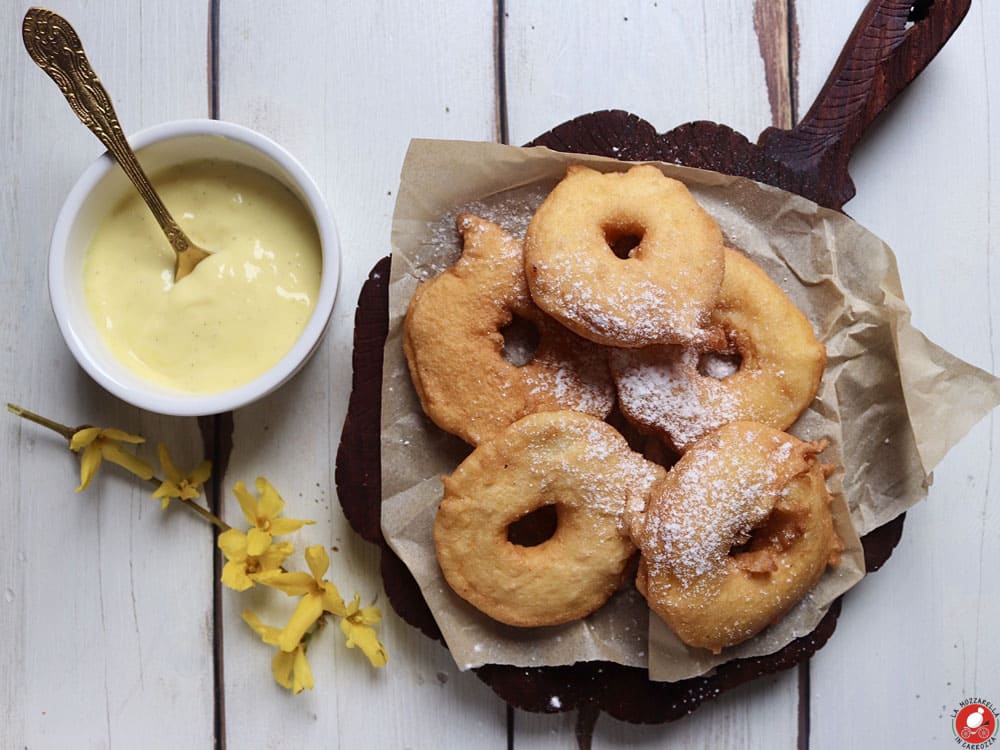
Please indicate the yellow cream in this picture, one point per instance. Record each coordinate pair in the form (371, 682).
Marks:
(241, 309)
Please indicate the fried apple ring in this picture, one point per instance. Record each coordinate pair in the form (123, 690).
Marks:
(663, 292)
(662, 390)
(454, 346)
(573, 461)
(736, 535)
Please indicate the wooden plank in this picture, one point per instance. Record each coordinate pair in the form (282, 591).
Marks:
(918, 636)
(106, 608)
(345, 86)
(669, 62)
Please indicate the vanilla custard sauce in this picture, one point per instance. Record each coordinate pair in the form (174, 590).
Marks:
(241, 309)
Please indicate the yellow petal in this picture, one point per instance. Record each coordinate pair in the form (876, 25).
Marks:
(83, 438)
(354, 605)
(167, 490)
(247, 504)
(308, 610)
(128, 461)
(270, 503)
(188, 492)
(282, 526)
(293, 584)
(233, 544)
(89, 462)
(371, 615)
(168, 465)
(267, 633)
(332, 602)
(257, 542)
(234, 575)
(302, 676)
(165, 503)
(365, 638)
(317, 560)
(274, 555)
(121, 436)
(201, 473)
(281, 668)
(251, 619)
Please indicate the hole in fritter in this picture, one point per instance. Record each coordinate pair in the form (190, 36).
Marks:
(751, 553)
(623, 240)
(757, 550)
(534, 528)
(719, 365)
(739, 549)
(520, 341)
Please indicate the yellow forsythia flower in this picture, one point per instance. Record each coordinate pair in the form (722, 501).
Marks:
(356, 625)
(262, 515)
(242, 568)
(318, 595)
(290, 669)
(105, 443)
(186, 486)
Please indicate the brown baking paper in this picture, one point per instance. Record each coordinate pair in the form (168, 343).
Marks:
(891, 403)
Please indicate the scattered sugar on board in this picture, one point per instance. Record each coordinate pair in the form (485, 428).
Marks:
(512, 210)
(442, 245)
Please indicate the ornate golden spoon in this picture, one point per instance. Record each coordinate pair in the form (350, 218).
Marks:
(56, 48)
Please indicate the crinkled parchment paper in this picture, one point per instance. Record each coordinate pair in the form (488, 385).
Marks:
(891, 402)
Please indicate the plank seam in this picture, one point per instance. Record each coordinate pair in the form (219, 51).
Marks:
(500, 63)
(989, 319)
(804, 723)
(217, 425)
(213, 59)
(793, 61)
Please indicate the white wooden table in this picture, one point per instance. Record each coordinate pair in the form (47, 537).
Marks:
(115, 631)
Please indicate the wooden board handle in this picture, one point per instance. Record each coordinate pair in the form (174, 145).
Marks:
(891, 43)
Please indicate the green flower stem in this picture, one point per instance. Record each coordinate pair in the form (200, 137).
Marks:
(68, 432)
(206, 514)
(313, 630)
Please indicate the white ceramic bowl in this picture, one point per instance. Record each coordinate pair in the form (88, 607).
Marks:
(103, 184)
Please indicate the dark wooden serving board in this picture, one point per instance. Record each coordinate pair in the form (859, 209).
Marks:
(891, 43)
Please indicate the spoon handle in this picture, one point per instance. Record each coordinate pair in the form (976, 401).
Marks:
(55, 47)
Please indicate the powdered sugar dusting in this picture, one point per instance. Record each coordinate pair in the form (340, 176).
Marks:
(511, 210)
(457, 321)
(714, 497)
(623, 308)
(572, 389)
(717, 366)
(583, 458)
(661, 390)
